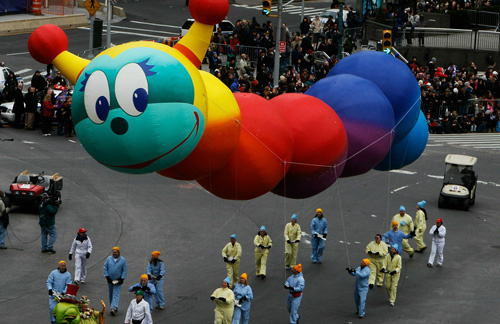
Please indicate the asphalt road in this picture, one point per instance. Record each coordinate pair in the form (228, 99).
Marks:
(159, 18)
(190, 226)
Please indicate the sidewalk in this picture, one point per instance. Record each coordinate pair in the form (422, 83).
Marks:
(12, 24)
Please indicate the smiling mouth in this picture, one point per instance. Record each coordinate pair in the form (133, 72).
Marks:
(147, 163)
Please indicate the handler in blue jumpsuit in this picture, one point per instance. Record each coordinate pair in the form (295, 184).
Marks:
(319, 231)
(146, 287)
(156, 272)
(115, 272)
(395, 236)
(243, 296)
(295, 284)
(362, 274)
(57, 283)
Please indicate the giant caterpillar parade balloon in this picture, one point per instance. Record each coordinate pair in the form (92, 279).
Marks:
(145, 107)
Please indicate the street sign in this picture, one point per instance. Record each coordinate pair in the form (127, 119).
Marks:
(92, 6)
(282, 47)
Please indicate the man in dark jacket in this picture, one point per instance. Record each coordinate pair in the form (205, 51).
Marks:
(38, 82)
(47, 211)
(31, 101)
(18, 108)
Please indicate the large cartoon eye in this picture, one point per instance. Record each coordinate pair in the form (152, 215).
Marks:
(96, 97)
(131, 88)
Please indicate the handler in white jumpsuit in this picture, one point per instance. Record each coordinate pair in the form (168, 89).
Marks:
(138, 310)
(438, 232)
(81, 248)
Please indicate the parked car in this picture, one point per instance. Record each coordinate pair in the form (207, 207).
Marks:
(460, 181)
(334, 13)
(226, 26)
(4, 73)
(27, 189)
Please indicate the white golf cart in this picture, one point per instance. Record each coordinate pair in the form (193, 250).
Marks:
(459, 184)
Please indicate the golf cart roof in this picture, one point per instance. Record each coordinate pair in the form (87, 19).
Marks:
(460, 159)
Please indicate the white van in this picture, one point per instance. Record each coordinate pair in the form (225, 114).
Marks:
(226, 26)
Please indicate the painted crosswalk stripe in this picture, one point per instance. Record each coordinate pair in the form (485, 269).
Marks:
(153, 24)
(22, 71)
(489, 141)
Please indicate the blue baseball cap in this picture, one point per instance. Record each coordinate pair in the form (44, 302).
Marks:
(294, 216)
(402, 208)
(233, 236)
(262, 228)
(421, 204)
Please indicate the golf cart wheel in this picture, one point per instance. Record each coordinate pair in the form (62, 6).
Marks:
(441, 202)
(466, 204)
(57, 195)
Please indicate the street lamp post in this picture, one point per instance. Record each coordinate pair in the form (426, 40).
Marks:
(341, 28)
(276, 72)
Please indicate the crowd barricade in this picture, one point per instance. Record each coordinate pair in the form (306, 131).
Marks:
(53, 7)
(252, 52)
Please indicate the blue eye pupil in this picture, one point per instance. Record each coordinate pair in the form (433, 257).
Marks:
(140, 98)
(102, 107)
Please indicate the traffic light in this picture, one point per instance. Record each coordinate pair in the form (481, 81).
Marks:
(387, 41)
(266, 7)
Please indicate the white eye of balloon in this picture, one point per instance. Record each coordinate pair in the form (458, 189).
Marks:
(96, 97)
(131, 89)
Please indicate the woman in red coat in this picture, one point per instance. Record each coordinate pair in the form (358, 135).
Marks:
(47, 112)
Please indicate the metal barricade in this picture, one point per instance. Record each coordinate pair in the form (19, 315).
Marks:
(57, 7)
(252, 52)
(487, 19)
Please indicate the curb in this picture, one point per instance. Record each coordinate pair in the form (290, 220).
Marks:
(20, 24)
(30, 24)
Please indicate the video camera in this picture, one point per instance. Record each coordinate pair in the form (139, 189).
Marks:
(46, 200)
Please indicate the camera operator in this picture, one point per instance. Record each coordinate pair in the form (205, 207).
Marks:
(47, 211)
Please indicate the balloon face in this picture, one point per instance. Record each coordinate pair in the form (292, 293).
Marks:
(392, 77)
(409, 149)
(367, 117)
(133, 119)
(221, 136)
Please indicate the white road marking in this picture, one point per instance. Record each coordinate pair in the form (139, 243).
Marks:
(153, 24)
(141, 29)
(400, 188)
(20, 53)
(23, 71)
(129, 33)
(403, 171)
(435, 176)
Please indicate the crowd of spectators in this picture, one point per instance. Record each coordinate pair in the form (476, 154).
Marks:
(299, 66)
(458, 99)
(455, 99)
